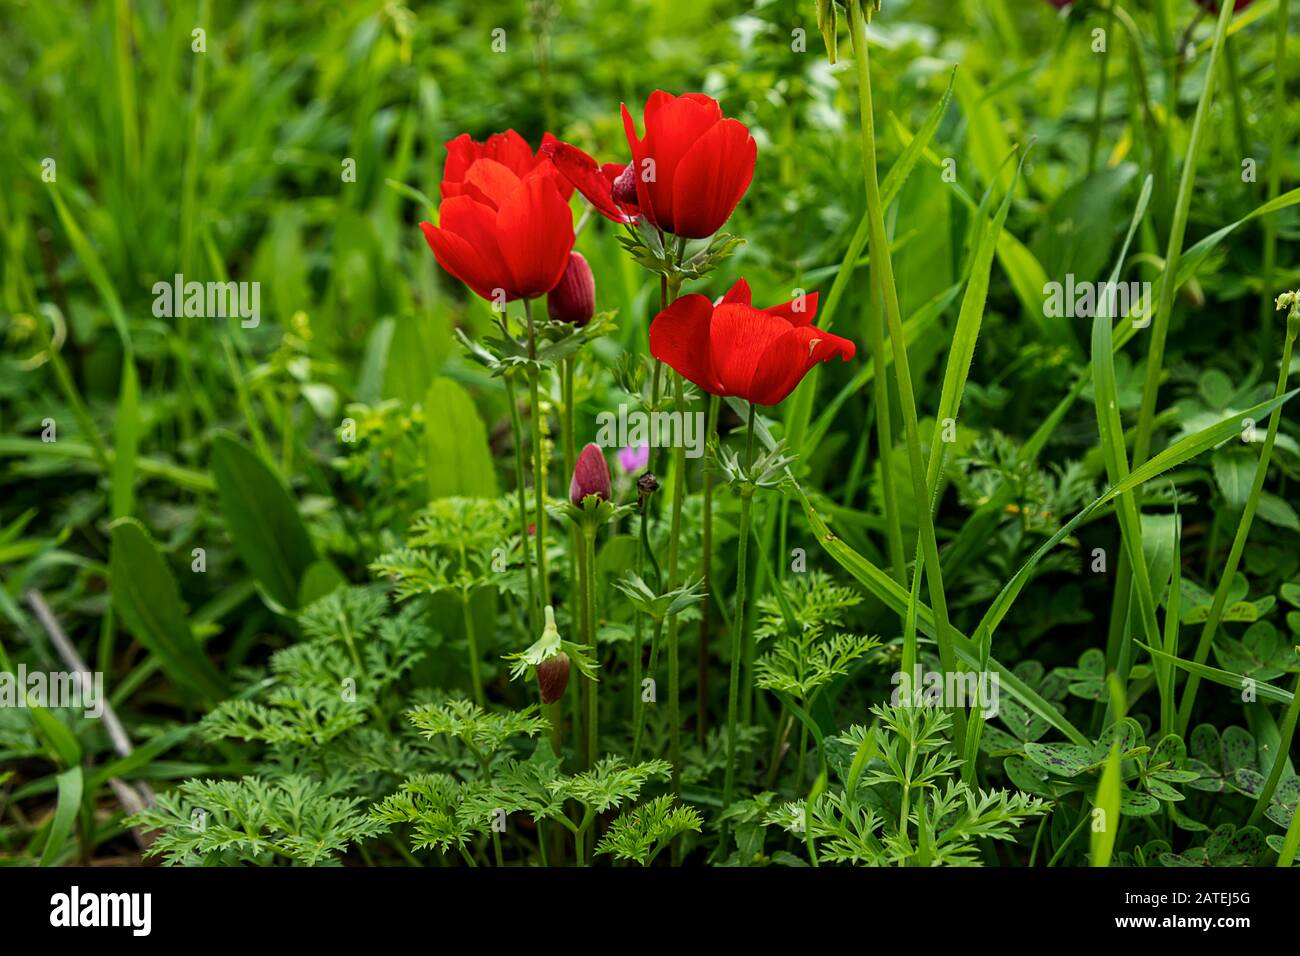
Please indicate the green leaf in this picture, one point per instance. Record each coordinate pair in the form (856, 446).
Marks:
(263, 520)
(1234, 471)
(1226, 678)
(320, 579)
(146, 596)
(65, 815)
(459, 461)
(1107, 800)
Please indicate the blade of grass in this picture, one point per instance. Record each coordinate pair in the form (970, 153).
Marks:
(881, 261)
(1168, 282)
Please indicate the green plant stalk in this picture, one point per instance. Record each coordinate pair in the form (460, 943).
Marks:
(1173, 253)
(1274, 172)
(471, 640)
(884, 432)
(1292, 840)
(674, 581)
(880, 259)
(1099, 103)
(582, 742)
(1243, 529)
(517, 430)
(706, 570)
(589, 596)
(738, 615)
(1285, 735)
(1234, 87)
(568, 439)
(539, 463)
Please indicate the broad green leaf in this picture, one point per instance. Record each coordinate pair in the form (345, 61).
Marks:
(320, 578)
(263, 520)
(146, 597)
(458, 459)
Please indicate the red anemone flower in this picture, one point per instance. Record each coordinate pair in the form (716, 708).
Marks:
(686, 176)
(509, 149)
(1214, 6)
(507, 235)
(692, 166)
(735, 349)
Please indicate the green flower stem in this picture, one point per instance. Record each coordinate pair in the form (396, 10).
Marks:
(1285, 734)
(1099, 103)
(1174, 251)
(1243, 529)
(582, 742)
(570, 444)
(674, 581)
(589, 596)
(706, 570)
(471, 639)
(1292, 840)
(880, 259)
(884, 433)
(656, 637)
(517, 431)
(539, 465)
(738, 615)
(555, 717)
(1274, 171)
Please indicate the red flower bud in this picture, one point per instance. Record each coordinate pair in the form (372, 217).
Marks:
(1214, 6)
(573, 300)
(590, 476)
(553, 677)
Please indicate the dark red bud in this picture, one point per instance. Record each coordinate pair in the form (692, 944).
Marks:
(624, 190)
(590, 476)
(1214, 6)
(553, 677)
(573, 300)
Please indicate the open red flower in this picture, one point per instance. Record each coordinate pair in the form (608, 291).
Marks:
(692, 166)
(735, 349)
(509, 149)
(504, 234)
(607, 186)
(686, 176)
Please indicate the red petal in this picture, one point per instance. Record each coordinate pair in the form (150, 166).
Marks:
(679, 336)
(579, 169)
(510, 150)
(798, 312)
(643, 198)
(461, 153)
(738, 294)
(674, 126)
(787, 360)
(460, 258)
(543, 159)
(490, 182)
(710, 178)
(739, 336)
(535, 234)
